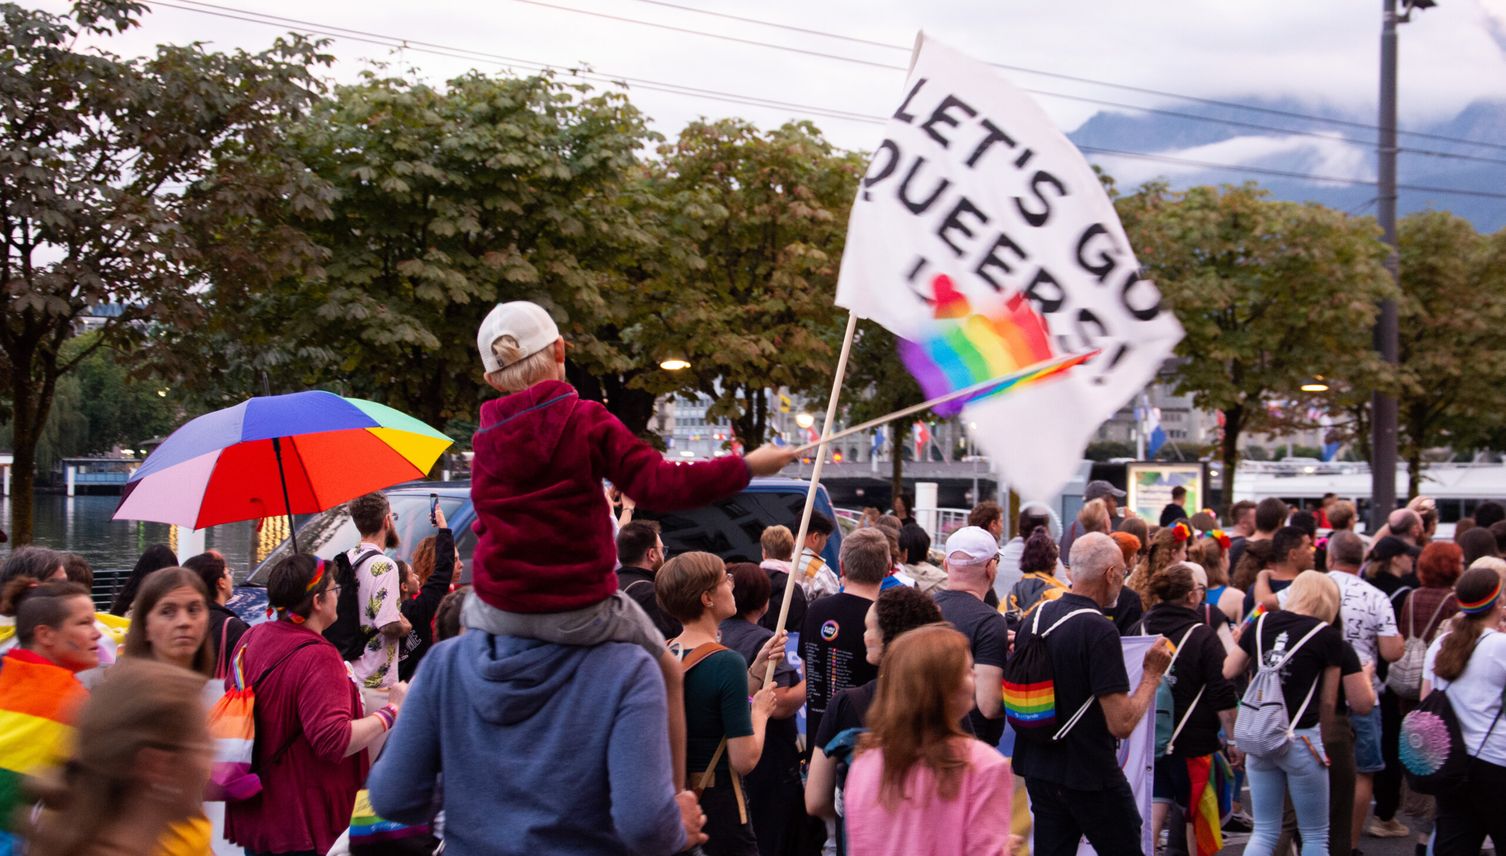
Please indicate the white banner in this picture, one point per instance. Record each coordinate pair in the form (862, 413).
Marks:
(974, 192)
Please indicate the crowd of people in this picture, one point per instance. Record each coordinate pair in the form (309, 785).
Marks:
(589, 694)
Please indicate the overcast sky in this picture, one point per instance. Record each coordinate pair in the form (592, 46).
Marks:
(1324, 53)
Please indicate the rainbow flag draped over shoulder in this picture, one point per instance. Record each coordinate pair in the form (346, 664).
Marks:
(964, 348)
(38, 703)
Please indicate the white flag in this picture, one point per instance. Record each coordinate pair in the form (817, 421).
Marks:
(972, 198)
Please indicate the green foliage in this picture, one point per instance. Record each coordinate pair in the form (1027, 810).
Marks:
(1452, 312)
(98, 406)
(766, 217)
(99, 159)
(1269, 294)
(446, 201)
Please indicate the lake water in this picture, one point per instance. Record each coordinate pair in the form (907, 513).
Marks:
(83, 525)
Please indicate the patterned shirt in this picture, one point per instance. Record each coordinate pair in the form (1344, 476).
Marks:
(380, 599)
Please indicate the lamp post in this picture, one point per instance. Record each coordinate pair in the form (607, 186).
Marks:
(1383, 406)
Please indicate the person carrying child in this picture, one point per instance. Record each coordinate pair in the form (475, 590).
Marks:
(543, 566)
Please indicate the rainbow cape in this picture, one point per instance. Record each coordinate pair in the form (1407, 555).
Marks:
(38, 702)
(963, 349)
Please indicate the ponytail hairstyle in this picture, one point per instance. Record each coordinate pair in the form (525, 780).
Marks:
(1478, 592)
(1255, 558)
(1171, 583)
(294, 583)
(1162, 545)
(141, 704)
(35, 604)
(910, 722)
(1040, 553)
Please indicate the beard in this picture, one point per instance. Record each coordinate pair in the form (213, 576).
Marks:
(393, 542)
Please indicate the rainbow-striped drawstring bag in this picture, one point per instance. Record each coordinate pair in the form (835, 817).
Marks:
(232, 726)
(1030, 688)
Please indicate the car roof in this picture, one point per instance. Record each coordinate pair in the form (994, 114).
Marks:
(762, 484)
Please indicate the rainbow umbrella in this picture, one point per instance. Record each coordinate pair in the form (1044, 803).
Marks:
(279, 454)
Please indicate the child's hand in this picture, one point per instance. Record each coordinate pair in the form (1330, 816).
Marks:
(768, 459)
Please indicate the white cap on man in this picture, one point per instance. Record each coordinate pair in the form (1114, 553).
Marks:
(524, 321)
(971, 545)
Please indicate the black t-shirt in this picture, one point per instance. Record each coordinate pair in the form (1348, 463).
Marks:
(1276, 586)
(1172, 513)
(796, 619)
(1087, 660)
(831, 645)
(1281, 629)
(848, 709)
(1236, 549)
(1126, 612)
(780, 750)
(639, 585)
(988, 636)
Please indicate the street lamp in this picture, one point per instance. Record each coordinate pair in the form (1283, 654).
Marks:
(674, 364)
(805, 420)
(1317, 384)
(1387, 337)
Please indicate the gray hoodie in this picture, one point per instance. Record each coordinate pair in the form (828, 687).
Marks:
(544, 748)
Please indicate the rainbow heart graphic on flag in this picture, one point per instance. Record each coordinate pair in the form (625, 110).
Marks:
(965, 348)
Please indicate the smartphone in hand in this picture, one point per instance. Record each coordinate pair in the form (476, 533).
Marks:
(433, 506)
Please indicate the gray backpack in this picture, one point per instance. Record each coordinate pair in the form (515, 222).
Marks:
(1263, 727)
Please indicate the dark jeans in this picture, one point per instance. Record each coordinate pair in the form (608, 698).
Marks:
(1469, 814)
(1388, 781)
(1108, 818)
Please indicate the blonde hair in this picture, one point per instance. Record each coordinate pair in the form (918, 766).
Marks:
(1314, 594)
(1094, 516)
(519, 370)
(778, 542)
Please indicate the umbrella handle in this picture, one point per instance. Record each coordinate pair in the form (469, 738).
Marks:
(282, 477)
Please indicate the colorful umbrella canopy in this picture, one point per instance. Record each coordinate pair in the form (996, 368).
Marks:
(222, 467)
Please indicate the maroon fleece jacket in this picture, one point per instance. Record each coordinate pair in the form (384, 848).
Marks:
(544, 529)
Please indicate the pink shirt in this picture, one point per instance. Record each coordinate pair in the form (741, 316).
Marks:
(975, 822)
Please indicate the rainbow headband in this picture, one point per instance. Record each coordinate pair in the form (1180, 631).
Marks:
(319, 566)
(1482, 605)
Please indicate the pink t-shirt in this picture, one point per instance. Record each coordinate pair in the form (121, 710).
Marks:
(975, 823)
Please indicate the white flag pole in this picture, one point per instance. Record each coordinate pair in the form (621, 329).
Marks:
(938, 400)
(815, 483)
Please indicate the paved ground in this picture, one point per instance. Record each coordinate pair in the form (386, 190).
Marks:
(1235, 844)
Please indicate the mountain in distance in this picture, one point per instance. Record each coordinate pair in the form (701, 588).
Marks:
(1289, 144)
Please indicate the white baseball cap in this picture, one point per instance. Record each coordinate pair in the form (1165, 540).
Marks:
(974, 542)
(527, 322)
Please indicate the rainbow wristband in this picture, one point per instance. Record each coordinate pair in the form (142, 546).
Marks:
(388, 716)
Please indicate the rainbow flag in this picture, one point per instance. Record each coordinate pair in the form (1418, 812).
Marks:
(1206, 819)
(1255, 613)
(368, 830)
(964, 349)
(38, 703)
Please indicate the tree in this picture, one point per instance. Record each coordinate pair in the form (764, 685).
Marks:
(767, 216)
(1269, 294)
(877, 384)
(98, 160)
(1451, 313)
